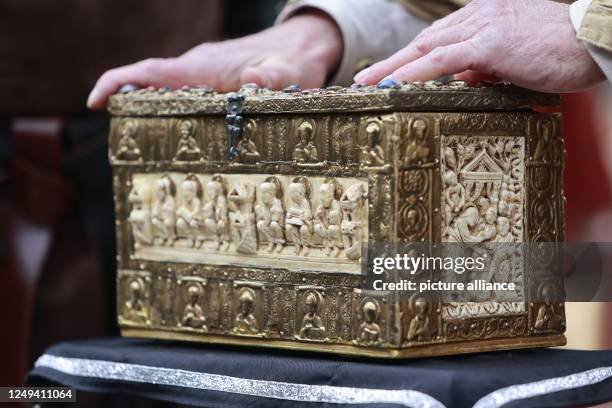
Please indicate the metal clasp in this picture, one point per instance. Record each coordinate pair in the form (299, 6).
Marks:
(234, 124)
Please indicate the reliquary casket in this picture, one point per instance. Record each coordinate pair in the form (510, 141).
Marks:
(248, 218)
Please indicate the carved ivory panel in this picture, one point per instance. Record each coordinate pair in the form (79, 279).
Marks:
(483, 192)
(298, 223)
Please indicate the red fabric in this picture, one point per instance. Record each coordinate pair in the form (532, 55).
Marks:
(15, 315)
(586, 182)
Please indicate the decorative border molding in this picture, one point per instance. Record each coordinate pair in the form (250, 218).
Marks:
(109, 370)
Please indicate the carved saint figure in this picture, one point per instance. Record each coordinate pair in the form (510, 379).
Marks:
(454, 194)
(419, 328)
(305, 151)
(140, 216)
(298, 221)
(543, 147)
(187, 148)
(193, 316)
(488, 230)
(372, 154)
(503, 230)
(548, 317)
(245, 321)
(127, 148)
(369, 330)
(271, 215)
(328, 217)
(412, 223)
(465, 227)
(188, 214)
(351, 204)
(312, 325)
(242, 218)
(163, 216)
(416, 147)
(215, 211)
(248, 149)
(134, 308)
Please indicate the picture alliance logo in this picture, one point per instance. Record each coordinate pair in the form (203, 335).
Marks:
(412, 264)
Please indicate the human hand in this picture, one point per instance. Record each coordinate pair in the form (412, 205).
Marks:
(303, 50)
(531, 43)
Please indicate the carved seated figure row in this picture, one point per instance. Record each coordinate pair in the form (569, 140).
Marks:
(419, 327)
(304, 152)
(234, 217)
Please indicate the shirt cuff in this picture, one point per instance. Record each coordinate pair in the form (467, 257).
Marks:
(602, 57)
(372, 30)
(577, 11)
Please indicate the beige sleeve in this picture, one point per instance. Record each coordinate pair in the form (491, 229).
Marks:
(371, 29)
(595, 29)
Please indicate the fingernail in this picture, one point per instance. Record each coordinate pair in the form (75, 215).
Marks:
(92, 97)
(361, 74)
(388, 82)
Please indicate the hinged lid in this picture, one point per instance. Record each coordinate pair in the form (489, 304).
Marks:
(428, 96)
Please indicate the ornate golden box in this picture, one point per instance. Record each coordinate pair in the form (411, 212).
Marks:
(249, 218)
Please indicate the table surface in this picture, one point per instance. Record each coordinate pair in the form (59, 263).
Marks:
(222, 376)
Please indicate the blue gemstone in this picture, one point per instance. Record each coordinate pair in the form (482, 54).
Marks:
(128, 88)
(387, 83)
(292, 88)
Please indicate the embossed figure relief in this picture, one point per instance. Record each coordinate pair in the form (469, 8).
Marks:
(372, 154)
(188, 215)
(271, 215)
(328, 217)
(305, 150)
(245, 321)
(255, 219)
(134, 297)
(352, 205)
(140, 216)
(248, 150)
(298, 222)
(370, 325)
(369, 332)
(163, 216)
(187, 147)
(421, 326)
(127, 148)
(134, 308)
(416, 147)
(312, 326)
(544, 150)
(193, 314)
(550, 310)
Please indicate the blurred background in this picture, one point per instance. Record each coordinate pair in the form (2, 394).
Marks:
(57, 249)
